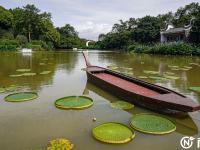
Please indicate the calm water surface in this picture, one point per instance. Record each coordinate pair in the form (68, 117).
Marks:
(32, 124)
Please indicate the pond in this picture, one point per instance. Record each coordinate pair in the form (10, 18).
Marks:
(32, 124)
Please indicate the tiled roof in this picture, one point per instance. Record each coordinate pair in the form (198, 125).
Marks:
(174, 30)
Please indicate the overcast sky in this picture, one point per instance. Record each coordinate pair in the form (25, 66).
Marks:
(92, 17)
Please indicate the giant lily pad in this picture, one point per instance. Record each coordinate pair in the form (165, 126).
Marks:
(45, 72)
(152, 124)
(112, 67)
(143, 77)
(171, 77)
(60, 144)
(111, 132)
(2, 90)
(150, 72)
(16, 75)
(23, 70)
(195, 88)
(74, 102)
(122, 105)
(29, 74)
(157, 78)
(20, 97)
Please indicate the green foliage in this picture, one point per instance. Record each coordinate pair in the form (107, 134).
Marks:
(8, 44)
(174, 48)
(22, 40)
(6, 18)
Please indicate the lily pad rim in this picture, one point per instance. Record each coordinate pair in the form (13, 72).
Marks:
(36, 96)
(115, 142)
(75, 107)
(131, 106)
(149, 132)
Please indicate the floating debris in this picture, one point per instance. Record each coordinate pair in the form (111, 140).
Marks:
(23, 70)
(122, 105)
(115, 133)
(45, 72)
(60, 144)
(152, 124)
(195, 88)
(74, 102)
(20, 97)
(151, 72)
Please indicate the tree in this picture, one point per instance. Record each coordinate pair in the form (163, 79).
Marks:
(6, 19)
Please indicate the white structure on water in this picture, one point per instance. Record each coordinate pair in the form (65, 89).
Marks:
(26, 50)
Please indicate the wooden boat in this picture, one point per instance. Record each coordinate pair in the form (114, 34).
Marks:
(139, 92)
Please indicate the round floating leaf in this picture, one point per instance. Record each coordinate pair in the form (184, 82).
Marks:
(112, 67)
(171, 66)
(122, 105)
(111, 132)
(149, 123)
(143, 77)
(187, 67)
(42, 64)
(29, 74)
(175, 69)
(150, 72)
(195, 88)
(45, 72)
(74, 102)
(157, 78)
(23, 70)
(60, 144)
(169, 73)
(194, 64)
(16, 75)
(20, 97)
(2, 90)
(171, 77)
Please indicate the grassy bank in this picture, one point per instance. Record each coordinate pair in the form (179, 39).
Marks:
(175, 48)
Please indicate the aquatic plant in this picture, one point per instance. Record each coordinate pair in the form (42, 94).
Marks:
(171, 77)
(2, 90)
(152, 124)
(20, 97)
(122, 105)
(195, 88)
(74, 102)
(112, 132)
(151, 72)
(60, 144)
(45, 72)
(23, 70)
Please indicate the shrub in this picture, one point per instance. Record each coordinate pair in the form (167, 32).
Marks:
(22, 40)
(34, 47)
(8, 44)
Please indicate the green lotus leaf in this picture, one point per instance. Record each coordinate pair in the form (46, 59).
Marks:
(60, 144)
(171, 77)
(151, 72)
(195, 88)
(45, 72)
(122, 105)
(2, 90)
(114, 133)
(20, 97)
(74, 102)
(152, 124)
(23, 70)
